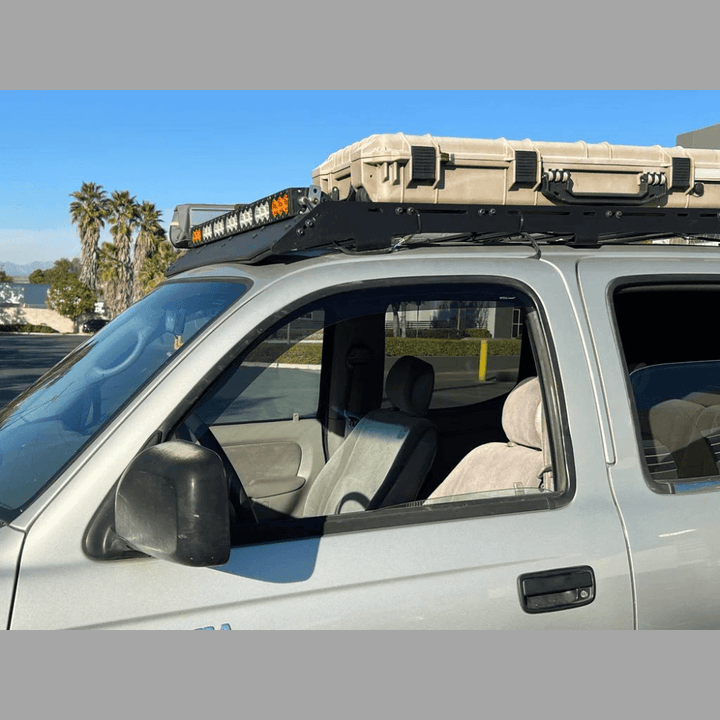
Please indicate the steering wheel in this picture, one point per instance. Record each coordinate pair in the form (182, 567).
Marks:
(141, 337)
(198, 432)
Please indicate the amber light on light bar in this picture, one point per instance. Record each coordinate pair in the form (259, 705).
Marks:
(280, 206)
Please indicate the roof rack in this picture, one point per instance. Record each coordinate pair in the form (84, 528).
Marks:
(306, 219)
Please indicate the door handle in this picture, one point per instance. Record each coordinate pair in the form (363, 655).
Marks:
(556, 589)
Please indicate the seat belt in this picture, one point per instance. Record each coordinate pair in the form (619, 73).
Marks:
(547, 482)
(358, 355)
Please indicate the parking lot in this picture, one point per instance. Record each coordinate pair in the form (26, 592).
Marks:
(26, 357)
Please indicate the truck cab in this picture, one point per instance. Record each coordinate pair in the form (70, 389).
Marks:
(402, 397)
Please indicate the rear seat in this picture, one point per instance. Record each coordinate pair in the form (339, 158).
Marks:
(685, 427)
(709, 424)
(660, 462)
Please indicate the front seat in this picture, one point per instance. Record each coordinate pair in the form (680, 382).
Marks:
(385, 459)
(521, 462)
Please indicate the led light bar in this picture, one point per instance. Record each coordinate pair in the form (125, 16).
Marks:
(271, 209)
(185, 216)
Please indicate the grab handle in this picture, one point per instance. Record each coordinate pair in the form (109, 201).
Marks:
(558, 185)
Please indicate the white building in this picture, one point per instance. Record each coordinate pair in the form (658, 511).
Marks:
(26, 304)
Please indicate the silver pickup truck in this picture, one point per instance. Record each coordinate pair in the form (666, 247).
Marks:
(340, 411)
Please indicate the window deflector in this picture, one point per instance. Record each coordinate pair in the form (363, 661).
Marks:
(560, 458)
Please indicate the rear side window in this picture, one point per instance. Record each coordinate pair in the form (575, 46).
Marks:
(673, 363)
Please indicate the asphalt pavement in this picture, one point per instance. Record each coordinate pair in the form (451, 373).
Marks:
(24, 358)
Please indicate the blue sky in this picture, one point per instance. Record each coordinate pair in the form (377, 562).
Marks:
(171, 147)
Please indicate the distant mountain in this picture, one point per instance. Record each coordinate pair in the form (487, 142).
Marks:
(14, 270)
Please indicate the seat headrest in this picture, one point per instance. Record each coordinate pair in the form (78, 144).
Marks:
(409, 385)
(522, 416)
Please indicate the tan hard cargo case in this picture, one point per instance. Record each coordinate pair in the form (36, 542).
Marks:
(428, 169)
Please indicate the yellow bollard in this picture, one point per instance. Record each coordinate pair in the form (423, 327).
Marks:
(482, 367)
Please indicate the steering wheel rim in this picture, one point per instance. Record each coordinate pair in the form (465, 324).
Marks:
(199, 432)
(97, 373)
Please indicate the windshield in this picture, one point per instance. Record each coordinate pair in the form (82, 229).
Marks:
(46, 426)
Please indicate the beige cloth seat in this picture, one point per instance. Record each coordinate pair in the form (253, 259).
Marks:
(387, 455)
(709, 424)
(683, 427)
(518, 463)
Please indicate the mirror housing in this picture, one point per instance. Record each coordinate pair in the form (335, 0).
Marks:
(172, 503)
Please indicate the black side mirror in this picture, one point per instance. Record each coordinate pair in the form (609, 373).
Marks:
(172, 503)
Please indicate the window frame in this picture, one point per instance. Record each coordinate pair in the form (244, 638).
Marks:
(650, 283)
(545, 354)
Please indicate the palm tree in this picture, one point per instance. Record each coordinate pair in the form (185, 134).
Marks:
(124, 215)
(153, 269)
(108, 277)
(150, 235)
(89, 211)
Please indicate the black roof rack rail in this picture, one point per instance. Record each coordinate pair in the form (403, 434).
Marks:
(320, 222)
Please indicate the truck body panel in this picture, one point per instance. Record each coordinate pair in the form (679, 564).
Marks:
(387, 577)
